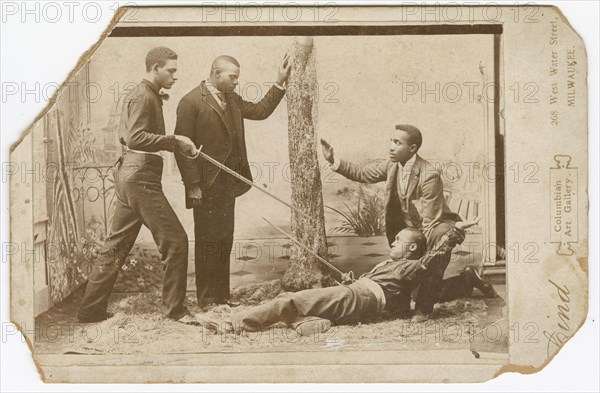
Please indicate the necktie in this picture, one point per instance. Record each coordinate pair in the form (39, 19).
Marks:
(221, 96)
(402, 178)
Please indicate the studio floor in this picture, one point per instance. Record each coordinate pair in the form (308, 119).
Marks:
(477, 323)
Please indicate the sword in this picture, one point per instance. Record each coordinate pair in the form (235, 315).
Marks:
(233, 173)
(346, 277)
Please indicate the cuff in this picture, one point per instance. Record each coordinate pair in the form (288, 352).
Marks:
(458, 235)
(171, 142)
(280, 87)
(458, 231)
(336, 164)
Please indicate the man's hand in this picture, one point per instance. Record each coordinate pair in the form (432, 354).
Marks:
(467, 224)
(284, 70)
(194, 194)
(327, 151)
(185, 145)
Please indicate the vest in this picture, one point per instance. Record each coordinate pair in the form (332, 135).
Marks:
(397, 216)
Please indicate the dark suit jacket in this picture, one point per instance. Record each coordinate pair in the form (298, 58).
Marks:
(425, 184)
(201, 118)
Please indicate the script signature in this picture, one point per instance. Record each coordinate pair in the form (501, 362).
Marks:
(558, 337)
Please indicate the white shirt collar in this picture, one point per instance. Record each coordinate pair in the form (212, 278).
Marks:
(211, 88)
(215, 93)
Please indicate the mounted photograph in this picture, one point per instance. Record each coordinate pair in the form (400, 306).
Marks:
(270, 198)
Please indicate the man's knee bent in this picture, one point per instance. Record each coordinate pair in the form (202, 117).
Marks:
(177, 244)
(284, 303)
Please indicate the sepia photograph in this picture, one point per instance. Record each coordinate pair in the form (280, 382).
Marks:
(298, 186)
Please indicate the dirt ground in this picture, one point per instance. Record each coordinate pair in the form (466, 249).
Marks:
(138, 328)
(256, 266)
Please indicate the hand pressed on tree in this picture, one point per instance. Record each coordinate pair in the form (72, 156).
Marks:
(327, 151)
(284, 70)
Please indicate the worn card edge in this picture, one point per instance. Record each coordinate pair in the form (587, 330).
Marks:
(509, 367)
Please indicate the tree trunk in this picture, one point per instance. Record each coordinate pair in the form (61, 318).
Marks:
(305, 271)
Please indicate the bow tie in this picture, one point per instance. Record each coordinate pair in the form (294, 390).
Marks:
(163, 96)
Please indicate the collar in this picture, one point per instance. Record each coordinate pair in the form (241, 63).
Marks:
(155, 89)
(213, 90)
(210, 87)
(408, 164)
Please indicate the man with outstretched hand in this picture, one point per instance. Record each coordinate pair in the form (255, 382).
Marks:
(409, 178)
(212, 116)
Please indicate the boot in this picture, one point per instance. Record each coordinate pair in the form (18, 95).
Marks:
(475, 280)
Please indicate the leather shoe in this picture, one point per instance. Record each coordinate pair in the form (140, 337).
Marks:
(229, 302)
(188, 319)
(475, 280)
(96, 318)
(419, 317)
(213, 325)
(314, 326)
(207, 301)
(207, 323)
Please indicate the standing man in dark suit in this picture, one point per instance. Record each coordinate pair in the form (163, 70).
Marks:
(140, 198)
(212, 116)
(408, 178)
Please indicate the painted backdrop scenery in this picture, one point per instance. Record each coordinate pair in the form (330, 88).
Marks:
(438, 83)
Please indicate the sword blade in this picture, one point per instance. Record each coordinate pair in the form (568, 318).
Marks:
(299, 243)
(250, 183)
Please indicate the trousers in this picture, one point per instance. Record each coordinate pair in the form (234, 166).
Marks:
(140, 201)
(433, 287)
(339, 304)
(213, 229)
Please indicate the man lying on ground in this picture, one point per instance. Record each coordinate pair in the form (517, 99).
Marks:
(385, 289)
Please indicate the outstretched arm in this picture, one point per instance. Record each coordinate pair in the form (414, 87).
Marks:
(263, 109)
(452, 238)
(413, 270)
(369, 173)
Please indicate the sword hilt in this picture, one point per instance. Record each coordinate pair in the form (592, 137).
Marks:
(196, 155)
(348, 278)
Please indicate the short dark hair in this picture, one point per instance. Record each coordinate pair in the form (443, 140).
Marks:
(420, 239)
(414, 135)
(159, 55)
(223, 59)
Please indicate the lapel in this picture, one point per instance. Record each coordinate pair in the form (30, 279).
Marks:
(236, 115)
(414, 177)
(392, 180)
(212, 102)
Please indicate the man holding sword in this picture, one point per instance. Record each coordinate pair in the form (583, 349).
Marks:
(140, 199)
